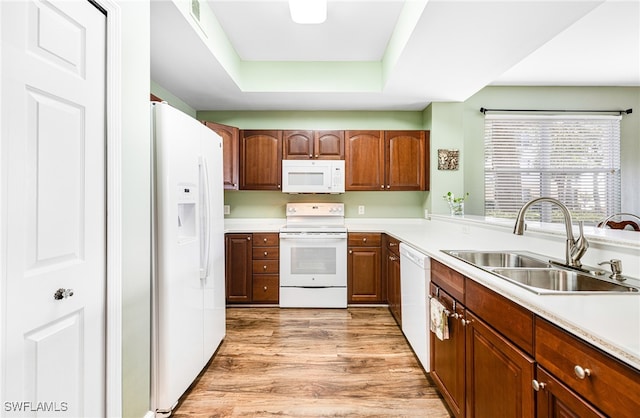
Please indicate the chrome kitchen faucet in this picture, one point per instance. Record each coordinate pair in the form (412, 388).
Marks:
(575, 248)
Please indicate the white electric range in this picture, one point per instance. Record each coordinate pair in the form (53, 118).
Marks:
(313, 256)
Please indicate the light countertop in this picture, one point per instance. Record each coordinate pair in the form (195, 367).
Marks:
(609, 322)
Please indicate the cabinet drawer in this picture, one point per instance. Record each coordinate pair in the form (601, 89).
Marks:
(266, 266)
(610, 385)
(509, 318)
(392, 244)
(265, 253)
(360, 239)
(448, 279)
(266, 288)
(266, 240)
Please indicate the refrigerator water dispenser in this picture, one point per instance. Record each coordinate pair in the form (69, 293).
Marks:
(186, 213)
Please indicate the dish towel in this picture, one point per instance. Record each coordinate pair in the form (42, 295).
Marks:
(439, 323)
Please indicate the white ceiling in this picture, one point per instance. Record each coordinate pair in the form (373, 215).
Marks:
(406, 54)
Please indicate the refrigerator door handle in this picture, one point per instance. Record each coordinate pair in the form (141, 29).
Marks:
(206, 229)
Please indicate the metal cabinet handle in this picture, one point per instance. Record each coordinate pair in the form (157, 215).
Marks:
(316, 155)
(63, 294)
(581, 373)
(393, 244)
(465, 322)
(538, 386)
(388, 186)
(264, 288)
(382, 186)
(265, 240)
(264, 267)
(350, 251)
(248, 238)
(364, 240)
(265, 253)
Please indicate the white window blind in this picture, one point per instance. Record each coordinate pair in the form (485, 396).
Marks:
(575, 159)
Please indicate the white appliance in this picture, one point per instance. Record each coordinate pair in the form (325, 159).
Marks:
(188, 252)
(415, 276)
(313, 256)
(313, 176)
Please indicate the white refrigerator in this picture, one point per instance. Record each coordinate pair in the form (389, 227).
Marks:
(188, 252)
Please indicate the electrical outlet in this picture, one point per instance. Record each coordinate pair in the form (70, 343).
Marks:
(227, 209)
(361, 210)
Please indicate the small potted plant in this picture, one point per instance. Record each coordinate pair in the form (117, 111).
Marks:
(456, 204)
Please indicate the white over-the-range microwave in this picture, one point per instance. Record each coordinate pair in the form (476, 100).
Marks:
(313, 176)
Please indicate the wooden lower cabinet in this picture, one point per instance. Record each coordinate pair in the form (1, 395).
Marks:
(556, 400)
(498, 374)
(238, 267)
(478, 370)
(490, 366)
(364, 278)
(391, 268)
(252, 268)
(606, 383)
(448, 356)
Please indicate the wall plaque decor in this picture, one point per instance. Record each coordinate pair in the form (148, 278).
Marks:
(448, 159)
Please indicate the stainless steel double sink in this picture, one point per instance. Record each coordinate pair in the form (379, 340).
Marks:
(534, 273)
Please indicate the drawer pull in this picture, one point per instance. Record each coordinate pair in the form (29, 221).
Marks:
(364, 239)
(538, 386)
(581, 373)
(264, 267)
(265, 253)
(265, 240)
(264, 288)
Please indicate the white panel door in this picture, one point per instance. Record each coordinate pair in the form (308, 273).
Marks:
(52, 206)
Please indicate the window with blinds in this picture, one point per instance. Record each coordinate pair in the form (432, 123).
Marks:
(575, 159)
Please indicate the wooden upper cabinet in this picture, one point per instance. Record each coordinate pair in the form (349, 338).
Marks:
(387, 160)
(297, 145)
(260, 160)
(328, 145)
(364, 160)
(305, 145)
(230, 139)
(405, 160)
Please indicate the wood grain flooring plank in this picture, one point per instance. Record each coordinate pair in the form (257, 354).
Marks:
(275, 362)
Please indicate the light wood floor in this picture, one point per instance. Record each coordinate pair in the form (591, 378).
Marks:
(350, 362)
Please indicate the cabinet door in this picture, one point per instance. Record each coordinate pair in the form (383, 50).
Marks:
(364, 282)
(260, 160)
(230, 139)
(448, 356)
(328, 145)
(555, 400)
(392, 262)
(364, 160)
(238, 267)
(405, 160)
(297, 145)
(499, 375)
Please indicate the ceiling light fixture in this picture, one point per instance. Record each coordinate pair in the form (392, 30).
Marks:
(308, 11)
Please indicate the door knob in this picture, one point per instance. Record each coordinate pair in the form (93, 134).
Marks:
(63, 294)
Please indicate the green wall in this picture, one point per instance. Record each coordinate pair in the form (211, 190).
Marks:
(136, 209)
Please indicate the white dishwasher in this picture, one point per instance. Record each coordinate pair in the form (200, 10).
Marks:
(415, 276)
